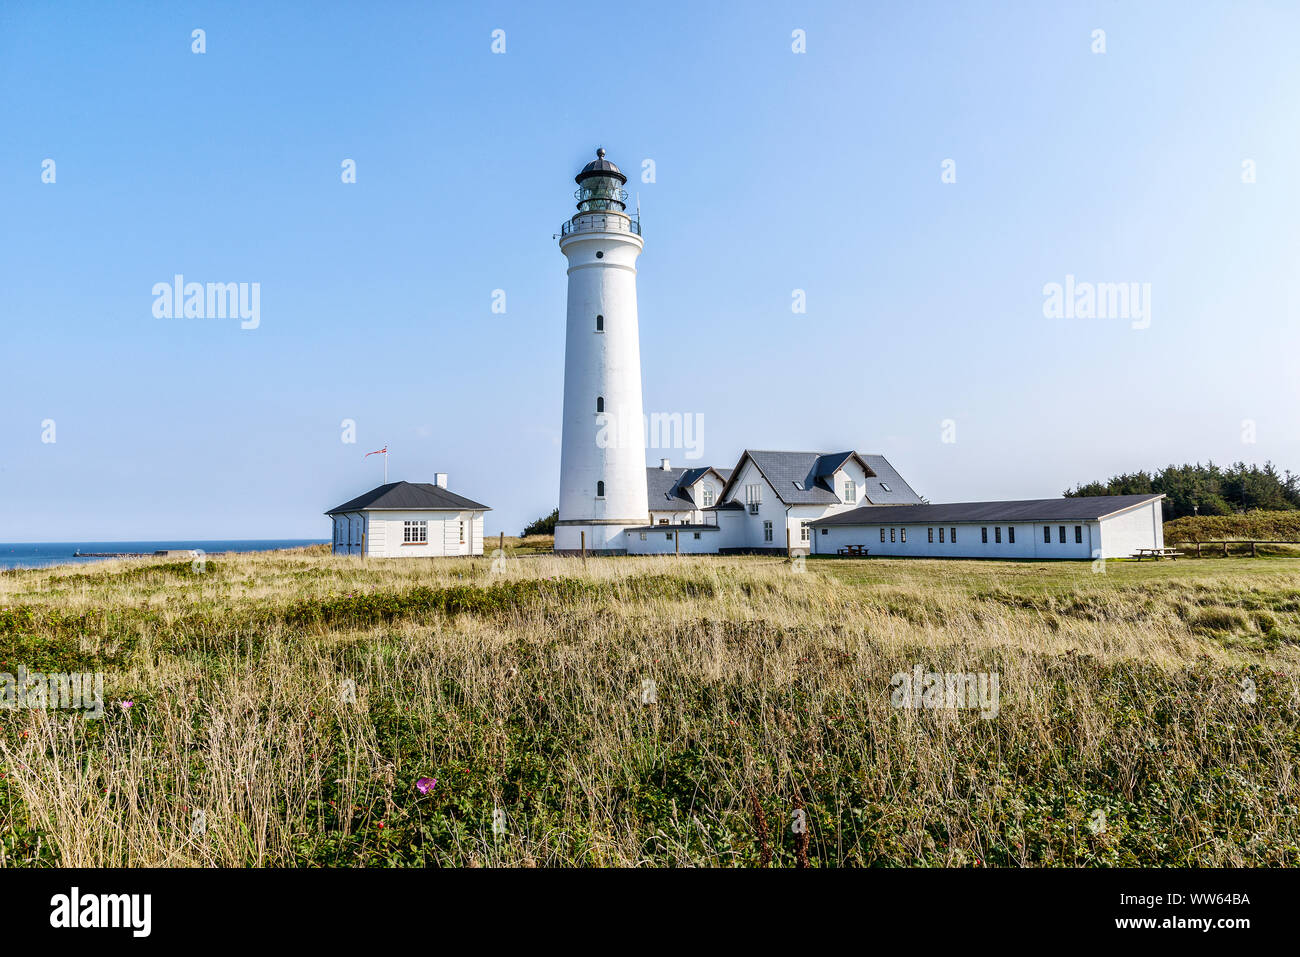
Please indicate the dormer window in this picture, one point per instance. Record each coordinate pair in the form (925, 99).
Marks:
(706, 496)
(851, 491)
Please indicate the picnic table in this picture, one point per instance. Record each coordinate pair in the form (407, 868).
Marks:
(1157, 553)
(852, 550)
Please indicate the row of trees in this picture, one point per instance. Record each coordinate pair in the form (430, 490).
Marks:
(1207, 489)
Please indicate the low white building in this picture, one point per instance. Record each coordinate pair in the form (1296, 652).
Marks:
(1083, 527)
(409, 520)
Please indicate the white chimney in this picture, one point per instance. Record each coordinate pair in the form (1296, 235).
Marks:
(440, 479)
(663, 464)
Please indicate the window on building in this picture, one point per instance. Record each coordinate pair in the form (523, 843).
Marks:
(953, 535)
(753, 497)
(462, 533)
(984, 536)
(1011, 534)
(997, 535)
(415, 532)
(663, 521)
(1078, 534)
(1062, 536)
(803, 531)
(885, 487)
(600, 403)
(850, 492)
(697, 534)
(882, 534)
(600, 323)
(706, 496)
(940, 534)
(1047, 534)
(767, 531)
(892, 533)
(929, 535)
(825, 530)
(669, 536)
(600, 490)
(643, 536)
(902, 534)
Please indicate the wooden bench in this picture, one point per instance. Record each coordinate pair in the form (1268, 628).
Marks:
(1156, 553)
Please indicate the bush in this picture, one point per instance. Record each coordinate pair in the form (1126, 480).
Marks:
(543, 526)
(1259, 526)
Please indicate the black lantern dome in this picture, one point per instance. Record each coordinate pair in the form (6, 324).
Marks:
(600, 187)
(600, 167)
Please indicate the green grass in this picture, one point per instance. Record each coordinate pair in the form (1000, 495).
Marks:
(1160, 699)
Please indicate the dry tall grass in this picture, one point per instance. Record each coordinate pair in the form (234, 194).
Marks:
(1147, 716)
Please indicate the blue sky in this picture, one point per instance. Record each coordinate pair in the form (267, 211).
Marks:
(774, 171)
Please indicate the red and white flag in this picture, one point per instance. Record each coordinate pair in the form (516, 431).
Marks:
(383, 451)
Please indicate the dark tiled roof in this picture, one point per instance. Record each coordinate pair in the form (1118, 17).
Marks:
(801, 478)
(668, 490)
(732, 505)
(898, 493)
(408, 495)
(1079, 509)
(664, 492)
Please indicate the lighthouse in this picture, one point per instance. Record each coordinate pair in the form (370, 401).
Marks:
(602, 453)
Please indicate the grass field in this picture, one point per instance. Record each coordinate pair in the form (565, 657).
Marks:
(1149, 715)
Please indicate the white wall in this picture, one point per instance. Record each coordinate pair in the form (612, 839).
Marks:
(664, 541)
(1028, 544)
(384, 533)
(1134, 528)
(605, 364)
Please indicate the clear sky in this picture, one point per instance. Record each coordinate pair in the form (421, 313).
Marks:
(775, 171)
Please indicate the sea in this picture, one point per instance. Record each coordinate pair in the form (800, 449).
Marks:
(42, 554)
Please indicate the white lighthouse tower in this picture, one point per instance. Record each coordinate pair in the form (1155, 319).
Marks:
(602, 457)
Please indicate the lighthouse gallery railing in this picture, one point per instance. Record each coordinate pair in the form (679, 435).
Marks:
(597, 221)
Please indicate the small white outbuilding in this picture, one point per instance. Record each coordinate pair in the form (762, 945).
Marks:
(409, 520)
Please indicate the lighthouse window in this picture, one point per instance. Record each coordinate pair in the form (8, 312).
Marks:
(600, 490)
(600, 255)
(600, 323)
(600, 403)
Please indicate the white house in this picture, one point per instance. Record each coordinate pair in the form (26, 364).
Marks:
(1100, 526)
(409, 520)
(767, 502)
(828, 503)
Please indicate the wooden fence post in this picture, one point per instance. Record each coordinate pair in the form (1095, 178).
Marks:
(584, 546)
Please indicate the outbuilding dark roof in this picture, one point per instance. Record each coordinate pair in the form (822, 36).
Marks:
(409, 495)
(1087, 508)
